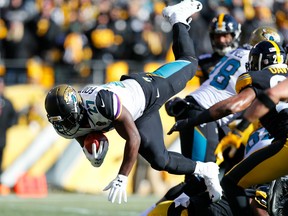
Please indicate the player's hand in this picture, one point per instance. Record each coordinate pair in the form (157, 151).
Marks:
(96, 158)
(117, 187)
(179, 125)
(176, 106)
(233, 141)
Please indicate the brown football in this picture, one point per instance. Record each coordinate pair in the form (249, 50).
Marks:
(94, 137)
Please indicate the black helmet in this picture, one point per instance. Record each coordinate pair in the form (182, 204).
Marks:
(225, 24)
(265, 53)
(64, 109)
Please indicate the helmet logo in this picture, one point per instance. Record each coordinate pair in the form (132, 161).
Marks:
(230, 25)
(70, 97)
(271, 36)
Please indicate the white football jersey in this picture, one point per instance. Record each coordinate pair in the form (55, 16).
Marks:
(222, 81)
(130, 93)
(104, 104)
(257, 140)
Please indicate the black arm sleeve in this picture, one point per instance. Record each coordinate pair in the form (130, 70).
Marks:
(203, 117)
(105, 104)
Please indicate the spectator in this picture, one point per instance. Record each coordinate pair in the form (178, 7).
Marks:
(263, 17)
(19, 42)
(8, 117)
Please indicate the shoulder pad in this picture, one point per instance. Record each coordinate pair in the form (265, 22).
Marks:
(243, 81)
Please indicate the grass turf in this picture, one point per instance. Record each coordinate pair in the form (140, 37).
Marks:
(72, 204)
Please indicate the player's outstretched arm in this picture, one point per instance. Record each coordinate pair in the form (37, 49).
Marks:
(260, 106)
(267, 101)
(127, 129)
(219, 110)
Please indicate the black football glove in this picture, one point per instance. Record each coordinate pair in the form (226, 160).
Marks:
(176, 106)
(180, 125)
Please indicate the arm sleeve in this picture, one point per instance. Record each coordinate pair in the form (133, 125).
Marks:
(108, 104)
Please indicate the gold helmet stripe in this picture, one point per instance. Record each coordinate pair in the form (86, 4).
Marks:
(220, 20)
(278, 53)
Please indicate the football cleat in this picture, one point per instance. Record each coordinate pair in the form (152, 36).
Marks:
(182, 11)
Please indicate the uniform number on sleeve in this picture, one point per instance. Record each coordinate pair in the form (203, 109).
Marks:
(91, 108)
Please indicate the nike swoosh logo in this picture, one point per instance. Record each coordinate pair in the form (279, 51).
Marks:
(102, 103)
(157, 94)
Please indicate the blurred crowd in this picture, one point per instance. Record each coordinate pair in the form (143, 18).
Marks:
(51, 41)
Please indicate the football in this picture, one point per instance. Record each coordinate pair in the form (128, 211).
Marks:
(94, 137)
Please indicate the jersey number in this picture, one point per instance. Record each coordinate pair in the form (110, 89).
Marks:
(276, 79)
(222, 78)
(91, 107)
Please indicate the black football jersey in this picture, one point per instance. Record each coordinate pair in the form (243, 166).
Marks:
(276, 121)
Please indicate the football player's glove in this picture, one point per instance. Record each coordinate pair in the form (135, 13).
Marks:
(180, 125)
(176, 106)
(96, 158)
(233, 140)
(118, 185)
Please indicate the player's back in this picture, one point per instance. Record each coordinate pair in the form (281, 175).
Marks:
(222, 80)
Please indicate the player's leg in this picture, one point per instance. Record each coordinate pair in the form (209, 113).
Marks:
(200, 142)
(153, 149)
(183, 49)
(260, 167)
(179, 16)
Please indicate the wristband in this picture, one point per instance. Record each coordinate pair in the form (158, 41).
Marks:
(266, 100)
(243, 125)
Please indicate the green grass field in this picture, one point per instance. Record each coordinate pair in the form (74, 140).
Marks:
(72, 204)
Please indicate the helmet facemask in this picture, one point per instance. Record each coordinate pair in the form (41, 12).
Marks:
(68, 125)
(223, 49)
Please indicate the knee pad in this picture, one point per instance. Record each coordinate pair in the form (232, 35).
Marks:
(159, 165)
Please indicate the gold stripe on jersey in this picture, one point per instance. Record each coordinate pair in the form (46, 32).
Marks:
(278, 53)
(220, 20)
(243, 81)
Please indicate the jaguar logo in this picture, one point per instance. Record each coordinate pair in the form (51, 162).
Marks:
(69, 96)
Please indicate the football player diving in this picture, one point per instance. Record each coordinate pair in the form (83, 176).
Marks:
(131, 107)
